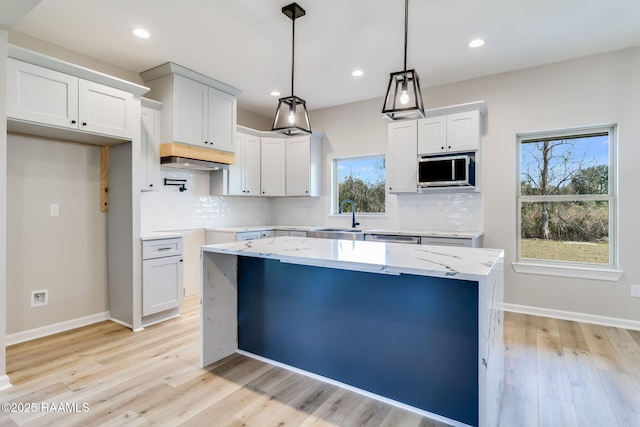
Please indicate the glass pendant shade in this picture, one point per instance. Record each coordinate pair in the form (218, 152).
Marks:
(404, 97)
(291, 116)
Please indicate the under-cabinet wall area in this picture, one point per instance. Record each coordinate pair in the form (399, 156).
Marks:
(56, 233)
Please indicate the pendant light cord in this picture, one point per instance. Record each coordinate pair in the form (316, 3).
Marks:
(293, 50)
(406, 20)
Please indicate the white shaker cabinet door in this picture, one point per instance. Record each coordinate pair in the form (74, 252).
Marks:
(221, 120)
(402, 164)
(463, 131)
(162, 284)
(40, 95)
(272, 167)
(105, 110)
(190, 111)
(298, 161)
(251, 165)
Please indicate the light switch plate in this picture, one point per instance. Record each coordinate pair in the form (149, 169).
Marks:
(635, 291)
(54, 210)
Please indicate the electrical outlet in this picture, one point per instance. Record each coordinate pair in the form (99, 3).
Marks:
(39, 298)
(635, 291)
(54, 210)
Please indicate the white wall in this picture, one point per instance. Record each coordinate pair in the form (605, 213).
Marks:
(594, 90)
(4, 380)
(64, 254)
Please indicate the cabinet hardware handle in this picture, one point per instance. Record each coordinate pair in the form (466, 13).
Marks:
(164, 249)
(180, 260)
(150, 185)
(84, 123)
(73, 122)
(442, 148)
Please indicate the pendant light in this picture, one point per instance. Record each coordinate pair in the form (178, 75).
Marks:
(404, 97)
(291, 115)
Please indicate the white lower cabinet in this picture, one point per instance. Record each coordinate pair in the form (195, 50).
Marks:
(162, 275)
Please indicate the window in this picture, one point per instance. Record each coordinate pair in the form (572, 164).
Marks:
(361, 179)
(566, 201)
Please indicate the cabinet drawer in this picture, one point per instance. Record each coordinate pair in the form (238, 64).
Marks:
(446, 241)
(161, 248)
(248, 235)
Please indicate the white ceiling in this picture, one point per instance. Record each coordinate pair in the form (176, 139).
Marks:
(247, 43)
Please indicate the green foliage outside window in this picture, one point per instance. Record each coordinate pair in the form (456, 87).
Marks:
(362, 180)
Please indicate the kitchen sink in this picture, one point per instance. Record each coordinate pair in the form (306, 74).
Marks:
(337, 233)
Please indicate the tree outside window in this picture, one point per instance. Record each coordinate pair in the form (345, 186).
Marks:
(566, 198)
(361, 179)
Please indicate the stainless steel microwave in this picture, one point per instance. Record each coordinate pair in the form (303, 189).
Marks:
(451, 170)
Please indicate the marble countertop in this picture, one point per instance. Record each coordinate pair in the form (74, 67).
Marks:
(377, 257)
(426, 233)
(157, 235)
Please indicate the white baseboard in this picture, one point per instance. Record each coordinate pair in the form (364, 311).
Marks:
(56, 328)
(4, 382)
(574, 316)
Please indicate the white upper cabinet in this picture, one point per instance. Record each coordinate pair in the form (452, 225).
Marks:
(456, 132)
(303, 158)
(190, 111)
(198, 110)
(402, 161)
(221, 120)
(44, 96)
(272, 167)
(244, 174)
(149, 164)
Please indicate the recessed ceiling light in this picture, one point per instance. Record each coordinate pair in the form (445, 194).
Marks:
(141, 32)
(476, 43)
(275, 93)
(357, 73)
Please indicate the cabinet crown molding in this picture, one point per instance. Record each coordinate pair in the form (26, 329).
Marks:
(35, 58)
(172, 68)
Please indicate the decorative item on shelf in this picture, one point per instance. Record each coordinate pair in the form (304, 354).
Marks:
(404, 97)
(291, 116)
(177, 182)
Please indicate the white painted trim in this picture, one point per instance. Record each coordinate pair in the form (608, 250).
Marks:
(360, 391)
(4, 382)
(56, 328)
(574, 316)
(128, 325)
(610, 275)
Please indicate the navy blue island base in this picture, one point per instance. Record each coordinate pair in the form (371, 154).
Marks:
(413, 339)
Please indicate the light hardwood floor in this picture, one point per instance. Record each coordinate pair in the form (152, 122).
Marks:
(559, 373)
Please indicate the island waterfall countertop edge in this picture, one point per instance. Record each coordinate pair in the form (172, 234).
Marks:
(376, 257)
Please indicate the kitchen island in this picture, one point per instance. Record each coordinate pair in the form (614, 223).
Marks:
(417, 326)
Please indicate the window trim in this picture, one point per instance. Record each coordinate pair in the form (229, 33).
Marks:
(610, 271)
(334, 185)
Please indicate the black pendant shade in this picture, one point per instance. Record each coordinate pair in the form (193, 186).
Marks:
(291, 116)
(404, 97)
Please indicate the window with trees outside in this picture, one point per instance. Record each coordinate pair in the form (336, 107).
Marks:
(566, 202)
(361, 179)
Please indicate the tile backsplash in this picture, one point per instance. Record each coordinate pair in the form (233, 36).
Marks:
(170, 209)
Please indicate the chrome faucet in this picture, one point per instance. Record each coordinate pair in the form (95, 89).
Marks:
(353, 211)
